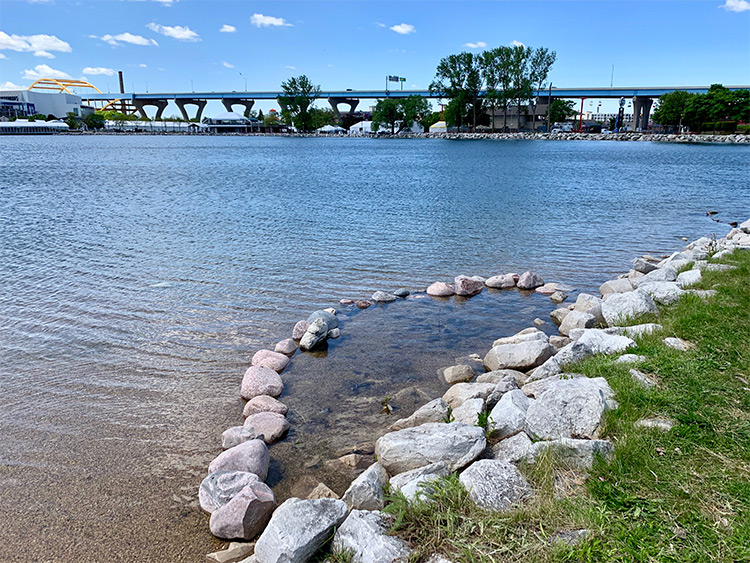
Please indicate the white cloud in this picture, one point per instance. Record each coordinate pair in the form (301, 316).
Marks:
(477, 45)
(44, 71)
(92, 70)
(3, 56)
(40, 45)
(227, 29)
(125, 38)
(404, 29)
(179, 32)
(379, 24)
(143, 65)
(11, 86)
(226, 64)
(290, 67)
(736, 6)
(515, 43)
(259, 20)
(165, 2)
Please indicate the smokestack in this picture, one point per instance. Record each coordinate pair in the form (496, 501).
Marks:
(122, 83)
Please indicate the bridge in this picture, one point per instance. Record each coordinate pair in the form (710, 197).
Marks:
(643, 98)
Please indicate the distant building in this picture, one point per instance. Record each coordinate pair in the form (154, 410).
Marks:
(26, 127)
(515, 120)
(23, 103)
(230, 122)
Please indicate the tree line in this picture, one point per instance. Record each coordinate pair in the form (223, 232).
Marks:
(721, 109)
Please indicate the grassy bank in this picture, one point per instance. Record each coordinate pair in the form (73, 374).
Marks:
(681, 495)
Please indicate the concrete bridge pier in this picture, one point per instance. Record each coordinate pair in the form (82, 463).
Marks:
(641, 111)
(351, 102)
(248, 104)
(181, 103)
(140, 106)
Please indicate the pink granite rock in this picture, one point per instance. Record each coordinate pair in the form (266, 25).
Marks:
(287, 347)
(246, 515)
(264, 403)
(269, 359)
(259, 380)
(466, 286)
(251, 456)
(440, 289)
(270, 424)
(299, 330)
(547, 289)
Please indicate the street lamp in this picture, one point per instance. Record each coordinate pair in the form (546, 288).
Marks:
(243, 76)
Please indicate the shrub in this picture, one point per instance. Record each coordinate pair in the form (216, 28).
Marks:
(745, 129)
(729, 126)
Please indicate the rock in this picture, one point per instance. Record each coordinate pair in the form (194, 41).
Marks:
(402, 292)
(308, 486)
(642, 379)
(271, 360)
(259, 380)
(702, 293)
(499, 375)
(461, 392)
(546, 289)
(529, 280)
(508, 416)
(287, 346)
(346, 302)
(571, 408)
(330, 310)
(264, 403)
(251, 456)
(299, 330)
(689, 278)
(537, 387)
(679, 344)
(572, 452)
(365, 535)
(522, 356)
(574, 319)
(328, 317)
(569, 354)
(512, 449)
(321, 491)
(495, 485)
(333, 334)
(666, 273)
(315, 334)
(457, 374)
(570, 537)
(661, 424)
(539, 322)
(559, 341)
(642, 266)
(366, 491)
(719, 267)
(349, 463)
(620, 307)
(558, 315)
(271, 425)
(383, 297)
(665, 293)
(222, 486)
(412, 482)
(558, 297)
(506, 384)
(434, 411)
(501, 282)
(298, 528)
(634, 331)
(237, 551)
(602, 343)
(362, 304)
(245, 516)
(466, 286)
(526, 335)
(468, 412)
(236, 435)
(479, 279)
(622, 285)
(454, 444)
(590, 304)
(474, 361)
(630, 359)
(440, 289)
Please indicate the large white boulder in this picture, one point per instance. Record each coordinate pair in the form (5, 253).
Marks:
(508, 417)
(251, 456)
(573, 452)
(434, 411)
(460, 392)
(599, 342)
(619, 285)
(620, 307)
(495, 485)
(689, 278)
(665, 293)
(366, 491)
(522, 356)
(222, 486)
(416, 482)
(576, 319)
(365, 535)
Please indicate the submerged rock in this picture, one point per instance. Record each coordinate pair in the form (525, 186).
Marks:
(287, 346)
(383, 297)
(327, 316)
(529, 280)
(457, 374)
(466, 286)
(272, 426)
(434, 411)
(505, 281)
(315, 335)
(264, 403)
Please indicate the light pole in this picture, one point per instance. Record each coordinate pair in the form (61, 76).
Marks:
(243, 76)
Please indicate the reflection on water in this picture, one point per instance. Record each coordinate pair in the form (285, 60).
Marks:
(141, 273)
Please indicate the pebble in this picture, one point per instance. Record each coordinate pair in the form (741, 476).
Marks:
(362, 304)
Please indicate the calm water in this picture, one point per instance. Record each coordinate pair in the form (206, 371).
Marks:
(139, 274)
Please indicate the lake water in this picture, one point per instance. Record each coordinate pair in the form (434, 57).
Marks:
(140, 274)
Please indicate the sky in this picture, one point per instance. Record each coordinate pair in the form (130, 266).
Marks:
(221, 45)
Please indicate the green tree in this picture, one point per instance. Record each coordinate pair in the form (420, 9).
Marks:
(560, 110)
(299, 95)
(72, 120)
(430, 120)
(322, 117)
(386, 113)
(414, 108)
(459, 78)
(94, 120)
(540, 63)
(495, 68)
(671, 107)
(521, 86)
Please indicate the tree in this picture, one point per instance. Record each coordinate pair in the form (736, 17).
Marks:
(430, 119)
(459, 78)
(72, 120)
(386, 113)
(94, 120)
(401, 112)
(560, 110)
(671, 107)
(540, 63)
(322, 117)
(496, 76)
(520, 78)
(413, 108)
(299, 95)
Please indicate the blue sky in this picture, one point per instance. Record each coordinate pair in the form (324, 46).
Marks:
(202, 45)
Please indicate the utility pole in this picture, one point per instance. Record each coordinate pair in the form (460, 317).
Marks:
(612, 77)
(549, 109)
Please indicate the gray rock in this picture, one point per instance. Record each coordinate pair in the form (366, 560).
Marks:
(440, 289)
(558, 297)
(666, 273)
(366, 491)
(505, 281)
(273, 426)
(362, 303)
(537, 387)
(666, 293)
(522, 356)
(298, 528)
(702, 293)
(329, 318)
(572, 408)
(299, 330)
(602, 343)
(402, 292)
(642, 266)
(558, 315)
(460, 392)
(251, 456)
(529, 280)
(559, 342)
(333, 334)
(261, 381)
(457, 374)
(719, 267)
(414, 482)
(572, 353)
(572, 452)
(383, 297)
(507, 383)
(245, 516)
(526, 335)
(620, 307)
(466, 286)
(479, 279)
(315, 334)
(689, 278)
(264, 403)
(222, 486)
(642, 379)
(661, 424)
(454, 444)
(574, 320)
(365, 535)
(468, 412)
(679, 344)
(287, 346)
(508, 416)
(499, 375)
(271, 360)
(495, 485)
(621, 285)
(237, 551)
(634, 331)
(434, 411)
(630, 359)
(236, 435)
(513, 449)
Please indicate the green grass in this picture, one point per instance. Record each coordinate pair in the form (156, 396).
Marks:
(677, 496)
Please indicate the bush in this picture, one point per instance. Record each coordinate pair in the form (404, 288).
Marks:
(710, 126)
(728, 126)
(744, 129)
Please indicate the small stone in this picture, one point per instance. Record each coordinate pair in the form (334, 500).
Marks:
(661, 424)
(299, 330)
(440, 289)
(261, 381)
(315, 334)
(402, 292)
(362, 304)
(456, 374)
(271, 425)
(679, 344)
(466, 286)
(346, 302)
(264, 403)
(512, 449)
(334, 334)
(529, 280)
(321, 491)
(630, 359)
(270, 360)
(383, 297)
(539, 322)
(287, 347)
(251, 456)
(558, 315)
(642, 379)
(495, 485)
(558, 297)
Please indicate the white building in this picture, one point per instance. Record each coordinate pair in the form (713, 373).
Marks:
(22, 103)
